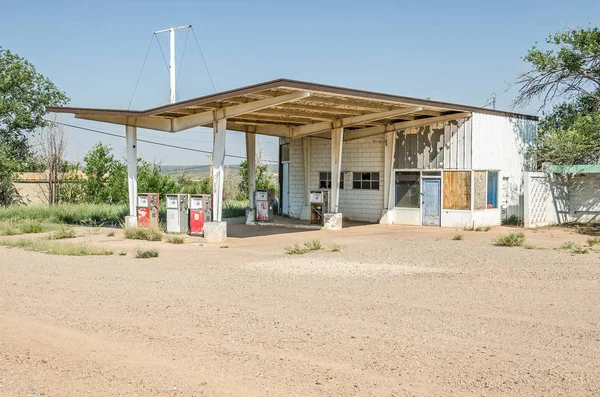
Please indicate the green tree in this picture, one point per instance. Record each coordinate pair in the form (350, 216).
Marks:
(570, 70)
(152, 180)
(24, 94)
(264, 178)
(106, 177)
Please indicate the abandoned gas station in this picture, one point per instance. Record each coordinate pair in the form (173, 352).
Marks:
(354, 154)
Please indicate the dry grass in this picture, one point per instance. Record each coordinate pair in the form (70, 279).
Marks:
(146, 253)
(56, 248)
(139, 233)
(176, 239)
(512, 239)
(457, 237)
(62, 232)
(297, 249)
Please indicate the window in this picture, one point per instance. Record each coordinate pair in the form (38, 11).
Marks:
(285, 152)
(408, 190)
(325, 180)
(492, 189)
(365, 180)
(457, 190)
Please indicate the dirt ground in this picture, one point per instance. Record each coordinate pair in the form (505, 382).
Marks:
(400, 311)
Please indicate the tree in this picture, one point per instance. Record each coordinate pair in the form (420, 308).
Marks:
(24, 94)
(264, 178)
(106, 177)
(52, 145)
(151, 179)
(570, 71)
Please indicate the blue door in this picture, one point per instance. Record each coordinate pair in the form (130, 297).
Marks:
(431, 201)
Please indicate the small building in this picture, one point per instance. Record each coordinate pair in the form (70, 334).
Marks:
(383, 158)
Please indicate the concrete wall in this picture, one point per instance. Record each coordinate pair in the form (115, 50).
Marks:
(584, 198)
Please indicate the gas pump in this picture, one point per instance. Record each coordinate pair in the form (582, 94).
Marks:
(147, 210)
(200, 213)
(263, 200)
(319, 202)
(177, 213)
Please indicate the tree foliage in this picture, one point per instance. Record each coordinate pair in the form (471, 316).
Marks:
(264, 178)
(570, 70)
(106, 177)
(24, 95)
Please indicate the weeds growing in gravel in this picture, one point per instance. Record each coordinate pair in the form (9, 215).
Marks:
(176, 239)
(139, 233)
(111, 233)
(593, 241)
(146, 253)
(61, 233)
(297, 249)
(13, 227)
(457, 237)
(567, 245)
(483, 228)
(336, 247)
(529, 247)
(512, 239)
(55, 248)
(574, 248)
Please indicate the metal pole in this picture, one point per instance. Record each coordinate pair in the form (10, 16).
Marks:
(172, 66)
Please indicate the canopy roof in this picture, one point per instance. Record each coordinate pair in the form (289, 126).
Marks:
(289, 108)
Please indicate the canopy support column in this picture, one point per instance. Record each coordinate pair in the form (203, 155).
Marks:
(388, 178)
(131, 138)
(216, 231)
(251, 162)
(333, 220)
(306, 168)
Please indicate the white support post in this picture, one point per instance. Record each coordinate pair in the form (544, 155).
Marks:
(172, 66)
(251, 161)
(388, 177)
(337, 140)
(218, 172)
(307, 172)
(131, 138)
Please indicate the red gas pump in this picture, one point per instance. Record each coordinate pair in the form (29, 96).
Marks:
(147, 210)
(200, 213)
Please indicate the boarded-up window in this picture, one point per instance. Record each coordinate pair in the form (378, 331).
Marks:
(480, 184)
(457, 190)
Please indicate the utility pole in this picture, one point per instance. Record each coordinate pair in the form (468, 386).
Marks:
(172, 58)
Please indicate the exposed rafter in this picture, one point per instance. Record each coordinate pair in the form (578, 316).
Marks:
(371, 131)
(316, 128)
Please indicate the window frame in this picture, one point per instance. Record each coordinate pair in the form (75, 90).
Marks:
(327, 180)
(419, 184)
(372, 183)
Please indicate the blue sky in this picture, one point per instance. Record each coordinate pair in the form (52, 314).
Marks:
(451, 51)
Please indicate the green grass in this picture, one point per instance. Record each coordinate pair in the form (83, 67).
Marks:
(67, 213)
(574, 248)
(176, 239)
(457, 237)
(232, 209)
(593, 241)
(146, 253)
(61, 233)
(297, 249)
(55, 248)
(139, 233)
(512, 239)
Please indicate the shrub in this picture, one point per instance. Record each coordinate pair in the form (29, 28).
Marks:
(578, 249)
(593, 241)
(457, 236)
(55, 248)
(176, 239)
(61, 233)
(146, 253)
(513, 239)
(139, 233)
(297, 249)
(336, 247)
(111, 233)
(32, 226)
(513, 220)
(483, 228)
(567, 245)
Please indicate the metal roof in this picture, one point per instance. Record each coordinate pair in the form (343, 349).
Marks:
(287, 105)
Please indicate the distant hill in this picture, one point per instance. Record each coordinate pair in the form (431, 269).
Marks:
(202, 169)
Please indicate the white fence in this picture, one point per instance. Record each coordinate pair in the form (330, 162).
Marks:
(558, 198)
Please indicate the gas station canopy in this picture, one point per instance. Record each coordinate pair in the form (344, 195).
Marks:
(288, 108)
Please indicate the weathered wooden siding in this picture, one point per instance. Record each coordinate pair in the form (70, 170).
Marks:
(437, 146)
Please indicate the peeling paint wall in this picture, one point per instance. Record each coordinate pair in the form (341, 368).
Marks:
(437, 146)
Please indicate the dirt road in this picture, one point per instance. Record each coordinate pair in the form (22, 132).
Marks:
(400, 311)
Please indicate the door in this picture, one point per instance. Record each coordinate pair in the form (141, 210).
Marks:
(431, 201)
(285, 189)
